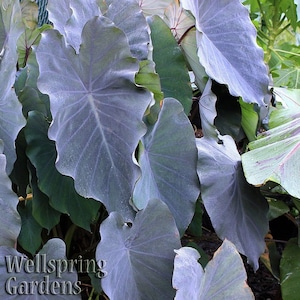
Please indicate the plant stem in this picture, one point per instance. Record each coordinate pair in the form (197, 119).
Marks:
(69, 236)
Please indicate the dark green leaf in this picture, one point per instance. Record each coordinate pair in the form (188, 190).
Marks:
(27, 91)
(30, 234)
(59, 188)
(290, 270)
(276, 208)
(229, 116)
(42, 211)
(195, 227)
(20, 174)
(170, 64)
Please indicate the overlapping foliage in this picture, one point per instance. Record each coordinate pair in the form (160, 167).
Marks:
(106, 95)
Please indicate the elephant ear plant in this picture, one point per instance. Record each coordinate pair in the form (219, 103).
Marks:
(95, 130)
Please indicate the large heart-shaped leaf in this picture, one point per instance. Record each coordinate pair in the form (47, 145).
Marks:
(128, 16)
(143, 254)
(69, 17)
(224, 189)
(9, 217)
(48, 276)
(224, 276)
(227, 48)
(237, 210)
(170, 63)
(59, 188)
(169, 169)
(97, 111)
(11, 118)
